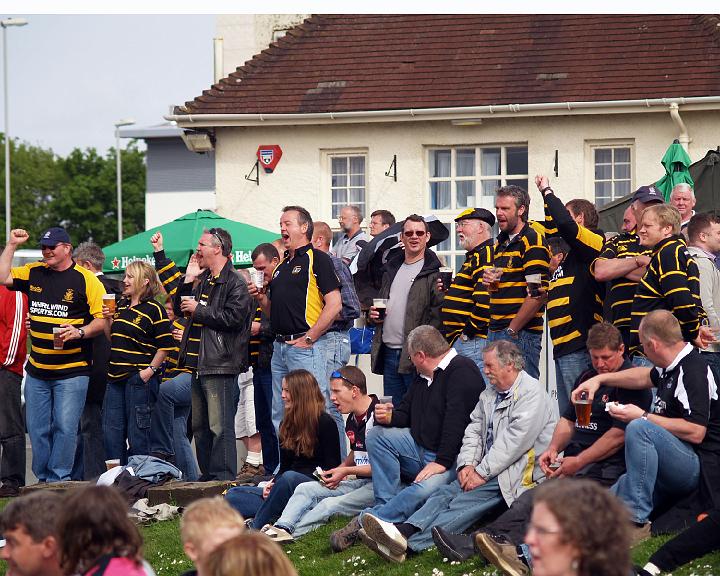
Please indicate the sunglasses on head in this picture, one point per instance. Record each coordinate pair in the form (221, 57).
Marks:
(411, 233)
(214, 232)
(337, 374)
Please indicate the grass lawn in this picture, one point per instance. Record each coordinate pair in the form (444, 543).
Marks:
(312, 557)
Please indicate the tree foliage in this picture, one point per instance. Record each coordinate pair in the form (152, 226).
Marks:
(78, 192)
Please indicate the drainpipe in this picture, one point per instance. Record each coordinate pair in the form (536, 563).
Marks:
(683, 137)
(218, 60)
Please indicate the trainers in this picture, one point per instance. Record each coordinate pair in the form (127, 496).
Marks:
(249, 471)
(277, 534)
(639, 534)
(345, 537)
(501, 554)
(380, 549)
(9, 491)
(456, 547)
(385, 534)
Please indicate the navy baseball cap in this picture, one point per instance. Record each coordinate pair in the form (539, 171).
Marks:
(647, 195)
(478, 214)
(54, 236)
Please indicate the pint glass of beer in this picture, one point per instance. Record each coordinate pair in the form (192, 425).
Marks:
(380, 305)
(534, 283)
(57, 340)
(109, 301)
(186, 314)
(446, 277)
(583, 409)
(494, 284)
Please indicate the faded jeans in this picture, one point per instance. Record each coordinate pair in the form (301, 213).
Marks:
(52, 411)
(395, 384)
(567, 370)
(471, 348)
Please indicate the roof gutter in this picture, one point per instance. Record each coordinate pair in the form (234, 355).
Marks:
(424, 114)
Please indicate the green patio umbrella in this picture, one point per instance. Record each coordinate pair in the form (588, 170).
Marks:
(180, 239)
(676, 162)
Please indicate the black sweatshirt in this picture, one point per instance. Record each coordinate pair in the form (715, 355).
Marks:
(437, 415)
(326, 453)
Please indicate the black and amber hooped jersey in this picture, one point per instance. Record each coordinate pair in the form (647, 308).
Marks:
(671, 282)
(526, 253)
(172, 368)
(73, 296)
(138, 332)
(254, 343)
(297, 290)
(466, 304)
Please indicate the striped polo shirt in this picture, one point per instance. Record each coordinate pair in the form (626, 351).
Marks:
(525, 253)
(671, 282)
(172, 367)
(73, 296)
(297, 290)
(466, 305)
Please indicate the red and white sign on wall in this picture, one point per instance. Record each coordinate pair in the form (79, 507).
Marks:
(269, 156)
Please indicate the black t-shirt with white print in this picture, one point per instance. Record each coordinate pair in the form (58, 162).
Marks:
(687, 389)
(356, 429)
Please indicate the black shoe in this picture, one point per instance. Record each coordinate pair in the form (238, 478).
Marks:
(457, 547)
(9, 491)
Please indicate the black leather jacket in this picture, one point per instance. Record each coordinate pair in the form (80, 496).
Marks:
(226, 323)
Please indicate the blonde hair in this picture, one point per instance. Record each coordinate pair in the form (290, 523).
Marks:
(141, 271)
(206, 515)
(666, 216)
(249, 554)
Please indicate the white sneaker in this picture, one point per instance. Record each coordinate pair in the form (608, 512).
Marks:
(380, 549)
(277, 534)
(385, 534)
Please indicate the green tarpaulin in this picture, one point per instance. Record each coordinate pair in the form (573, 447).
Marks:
(180, 239)
(677, 163)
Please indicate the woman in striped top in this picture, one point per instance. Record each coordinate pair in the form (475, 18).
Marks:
(139, 333)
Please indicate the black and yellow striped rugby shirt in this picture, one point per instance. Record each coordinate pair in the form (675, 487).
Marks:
(73, 296)
(526, 253)
(671, 282)
(137, 333)
(172, 367)
(466, 305)
(575, 298)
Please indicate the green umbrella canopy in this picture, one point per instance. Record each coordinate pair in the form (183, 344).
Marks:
(180, 238)
(676, 162)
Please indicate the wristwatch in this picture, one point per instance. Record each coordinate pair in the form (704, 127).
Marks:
(154, 369)
(644, 415)
(511, 332)
(308, 340)
(81, 332)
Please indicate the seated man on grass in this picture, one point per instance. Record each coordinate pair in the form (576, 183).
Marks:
(512, 423)
(347, 489)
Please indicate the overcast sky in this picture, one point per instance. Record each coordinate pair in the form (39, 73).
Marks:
(72, 76)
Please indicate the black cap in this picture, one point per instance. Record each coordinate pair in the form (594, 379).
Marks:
(478, 214)
(54, 236)
(647, 195)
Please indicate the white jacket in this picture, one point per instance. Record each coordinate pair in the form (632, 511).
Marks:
(709, 289)
(523, 424)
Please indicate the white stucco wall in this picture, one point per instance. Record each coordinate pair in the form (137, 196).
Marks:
(163, 207)
(302, 176)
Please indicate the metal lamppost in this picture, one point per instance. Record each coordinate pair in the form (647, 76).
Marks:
(6, 23)
(118, 163)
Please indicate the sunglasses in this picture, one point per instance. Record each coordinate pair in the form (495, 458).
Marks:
(337, 374)
(411, 233)
(214, 232)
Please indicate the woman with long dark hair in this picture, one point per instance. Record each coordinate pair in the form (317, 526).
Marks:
(308, 439)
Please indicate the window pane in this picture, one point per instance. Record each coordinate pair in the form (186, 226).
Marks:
(465, 159)
(339, 196)
(622, 154)
(621, 171)
(459, 259)
(490, 162)
(523, 183)
(339, 166)
(603, 171)
(357, 180)
(357, 196)
(446, 245)
(336, 209)
(603, 155)
(440, 163)
(622, 188)
(465, 193)
(357, 164)
(440, 195)
(603, 190)
(489, 187)
(339, 180)
(517, 160)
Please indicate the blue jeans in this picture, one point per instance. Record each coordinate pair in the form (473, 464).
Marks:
(641, 362)
(263, 396)
(567, 370)
(314, 359)
(90, 450)
(394, 383)
(659, 466)
(394, 456)
(471, 348)
(529, 343)
(313, 503)
(249, 502)
(214, 403)
(168, 426)
(454, 510)
(52, 411)
(713, 360)
(127, 411)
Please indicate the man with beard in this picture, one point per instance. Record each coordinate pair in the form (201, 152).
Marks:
(350, 219)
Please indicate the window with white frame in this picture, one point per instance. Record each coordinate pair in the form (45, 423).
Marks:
(612, 172)
(347, 182)
(462, 177)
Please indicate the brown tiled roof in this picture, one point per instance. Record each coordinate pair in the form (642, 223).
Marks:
(383, 62)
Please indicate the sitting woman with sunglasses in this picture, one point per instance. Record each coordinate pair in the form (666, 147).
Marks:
(308, 439)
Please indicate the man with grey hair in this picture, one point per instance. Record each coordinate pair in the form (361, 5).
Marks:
(421, 438)
(512, 422)
(349, 219)
(682, 197)
(90, 451)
